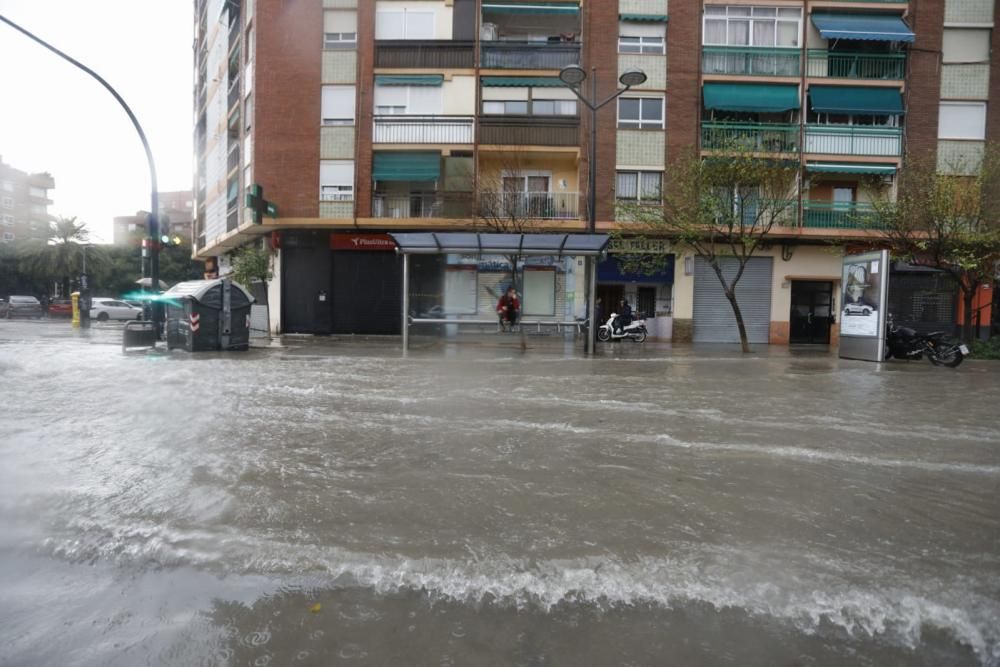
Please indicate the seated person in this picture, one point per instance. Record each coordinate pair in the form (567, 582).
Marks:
(508, 308)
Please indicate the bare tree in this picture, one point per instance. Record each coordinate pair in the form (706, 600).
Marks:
(720, 209)
(946, 221)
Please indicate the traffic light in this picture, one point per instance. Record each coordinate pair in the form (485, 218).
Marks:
(168, 240)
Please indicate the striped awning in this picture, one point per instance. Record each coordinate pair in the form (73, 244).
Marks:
(406, 166)
(409, 79)
(867, 27)
(649, 18)
(532, 7)
(522, 81)
(851, 168)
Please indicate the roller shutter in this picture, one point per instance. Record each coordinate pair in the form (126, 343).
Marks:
(713, 316)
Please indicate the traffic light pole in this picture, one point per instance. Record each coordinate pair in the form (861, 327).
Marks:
(154, 227)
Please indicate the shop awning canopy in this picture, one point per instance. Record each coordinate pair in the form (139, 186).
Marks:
(522, 81)
(850, 168)
(650, 18)
(406, 166)
(856, 100)
(468, 243)
(868, 27)
(761, 98)
(409, 79)
(532, 7)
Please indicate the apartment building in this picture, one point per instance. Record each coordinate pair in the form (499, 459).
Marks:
(176, 219)
(363, 117)
(24, 204)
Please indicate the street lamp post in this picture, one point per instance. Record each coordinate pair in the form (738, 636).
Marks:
(84, 301)
(572, 76)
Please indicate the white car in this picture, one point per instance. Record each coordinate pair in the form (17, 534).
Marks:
(102, 310)
(858, 309)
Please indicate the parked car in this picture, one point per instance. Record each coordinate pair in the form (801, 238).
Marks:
(104, 309)
(23, 306)
(3, 307)
(60, 308)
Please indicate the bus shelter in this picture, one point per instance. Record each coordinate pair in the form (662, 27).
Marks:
(591, 247)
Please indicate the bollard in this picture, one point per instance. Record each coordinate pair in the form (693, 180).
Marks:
(75, 298)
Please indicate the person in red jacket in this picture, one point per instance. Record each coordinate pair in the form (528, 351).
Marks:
(508, 308)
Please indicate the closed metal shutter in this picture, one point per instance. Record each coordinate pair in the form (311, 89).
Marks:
(713, 316)
(367, 293)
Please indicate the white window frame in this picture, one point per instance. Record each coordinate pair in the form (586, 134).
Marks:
(705, 17)
(8, 220)
(406, 109)
(638, 186)
(980, 125)
(336, 189)
(328, 117)
(7, 202)
(524, 175)
(342, 39)
(640, 124)
(406, 24)
(646, 45)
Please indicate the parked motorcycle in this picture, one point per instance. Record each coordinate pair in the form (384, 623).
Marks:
(906, 343)
(635, 331)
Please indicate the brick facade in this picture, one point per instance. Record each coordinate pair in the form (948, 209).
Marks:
(365, 100)
(287, 104)
(600, 27)
(923, 87)
(993, 110)
(683, 80)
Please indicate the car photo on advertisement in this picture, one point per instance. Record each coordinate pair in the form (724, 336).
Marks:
(858, 309)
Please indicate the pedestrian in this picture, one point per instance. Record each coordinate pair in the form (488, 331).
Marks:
(508, 308)
(598, 315)
(624, 316)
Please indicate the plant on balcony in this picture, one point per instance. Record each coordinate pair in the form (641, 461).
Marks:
(947, 221)
(720, 210)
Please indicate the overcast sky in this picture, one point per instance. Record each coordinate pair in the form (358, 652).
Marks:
(56, 118)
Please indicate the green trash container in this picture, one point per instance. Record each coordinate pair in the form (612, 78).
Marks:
(208, 315)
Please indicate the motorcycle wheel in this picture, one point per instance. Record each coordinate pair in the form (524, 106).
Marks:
(639, 337)
(603, 334)
(951, 358)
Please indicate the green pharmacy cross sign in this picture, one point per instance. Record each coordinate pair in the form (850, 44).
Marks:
(256, 202)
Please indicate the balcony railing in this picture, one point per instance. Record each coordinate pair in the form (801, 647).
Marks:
(529, 55)
(422, 205)
(751, 61)
(234, 93)
(843, 65)
(838, 215)
(233, 159)
(530, 205)
(753, 137)
(854, 140)
(529, 130)
(432, 54)
(424, 130)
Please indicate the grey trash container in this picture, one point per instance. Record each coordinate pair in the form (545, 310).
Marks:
(208, 315)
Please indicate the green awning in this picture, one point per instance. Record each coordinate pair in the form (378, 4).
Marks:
(409, 79)
(850, 168)
(406, 166)
(522, 81)
(867, 27)
(532, 7)
(856, 100)
(650, 18)
(761, 98)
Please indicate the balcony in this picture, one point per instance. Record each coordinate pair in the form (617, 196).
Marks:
(424, 130)
(529, 131)
(754, 137)
(430, 54)
(854, 140)
(847, 65)
(530, 205)
(454, 205)
(529, 55)
(234, 93)
(751, 61)
(838, 215)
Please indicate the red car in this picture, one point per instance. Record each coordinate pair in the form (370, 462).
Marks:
(60, 308)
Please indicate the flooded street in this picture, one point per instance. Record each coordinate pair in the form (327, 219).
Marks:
(480, 506)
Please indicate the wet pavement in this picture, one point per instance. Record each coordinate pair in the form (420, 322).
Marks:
(326, 502)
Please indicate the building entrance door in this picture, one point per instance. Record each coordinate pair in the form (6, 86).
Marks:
(812, 306)
(609, 295)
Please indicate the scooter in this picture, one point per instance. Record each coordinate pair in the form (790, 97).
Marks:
(906, 343)
(635, 331)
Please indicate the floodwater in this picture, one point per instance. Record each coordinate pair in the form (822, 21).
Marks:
(332, 503)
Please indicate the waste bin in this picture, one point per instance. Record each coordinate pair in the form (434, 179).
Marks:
(205, 315)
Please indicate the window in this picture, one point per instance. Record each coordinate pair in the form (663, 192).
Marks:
(8, 186)
(640, 112)
(962, 120)
(338, 105)
(533, 107)
(7, 202)
(644, 186)
(509, 107)
(37, 192)
(634, 37)
(336, 180)
(410, 100)
(966, 45)
(248, 111)
(8, 220)
(628, 44)
(340, 29)
(751, 26)
(404, 24)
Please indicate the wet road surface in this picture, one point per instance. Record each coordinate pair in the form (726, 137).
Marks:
(474, 505)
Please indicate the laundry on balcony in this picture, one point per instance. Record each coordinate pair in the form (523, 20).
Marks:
(757, 98)
(856, 100)
(868, 27)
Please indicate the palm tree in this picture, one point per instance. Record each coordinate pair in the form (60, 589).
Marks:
(60, 258)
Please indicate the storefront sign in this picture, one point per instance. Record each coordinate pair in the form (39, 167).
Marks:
(639, 246)
(378, 242)
(864, 296)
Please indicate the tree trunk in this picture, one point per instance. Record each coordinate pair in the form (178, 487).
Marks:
(744, 342)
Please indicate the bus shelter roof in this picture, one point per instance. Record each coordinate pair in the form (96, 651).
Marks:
(465, 243)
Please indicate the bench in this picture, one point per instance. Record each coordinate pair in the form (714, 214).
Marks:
(578, 325)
